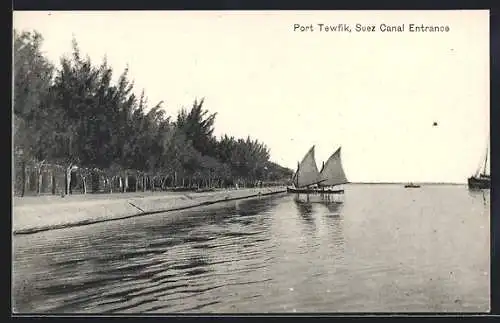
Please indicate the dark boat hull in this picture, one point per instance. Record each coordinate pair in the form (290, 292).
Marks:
(313, 191)
(480, 183)
(412, 186)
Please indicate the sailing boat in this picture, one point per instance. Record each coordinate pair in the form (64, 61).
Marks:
(307, 174)
(332, 174)
(307, 179)
(480, 180)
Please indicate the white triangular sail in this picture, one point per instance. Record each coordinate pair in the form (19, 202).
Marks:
(307, 172)
(332, 172)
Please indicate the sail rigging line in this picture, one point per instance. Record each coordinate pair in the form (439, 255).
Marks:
(481, 169)
(485, 161)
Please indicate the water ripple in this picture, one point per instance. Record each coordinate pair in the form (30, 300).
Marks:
(383, 249)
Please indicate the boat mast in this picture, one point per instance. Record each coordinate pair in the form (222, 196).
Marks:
(485, 161)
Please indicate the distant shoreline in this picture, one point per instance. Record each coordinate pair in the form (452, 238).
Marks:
(405, 183)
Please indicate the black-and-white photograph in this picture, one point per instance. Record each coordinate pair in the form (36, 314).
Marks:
(250, 162)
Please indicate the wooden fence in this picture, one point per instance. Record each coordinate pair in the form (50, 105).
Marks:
(41, 178)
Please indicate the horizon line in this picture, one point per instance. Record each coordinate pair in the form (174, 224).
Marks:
(414, 182)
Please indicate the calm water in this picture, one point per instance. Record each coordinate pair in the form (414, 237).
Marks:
(385, 248)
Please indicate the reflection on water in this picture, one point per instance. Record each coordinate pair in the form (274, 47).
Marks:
(382, 249)
(305, 208)
(480, 196)
(334, 209)
(305, 211)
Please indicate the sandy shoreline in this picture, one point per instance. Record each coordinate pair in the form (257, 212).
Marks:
(35, 214)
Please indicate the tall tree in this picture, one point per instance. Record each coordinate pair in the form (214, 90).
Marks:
(32, 80)
(198, 126)
(79, 116)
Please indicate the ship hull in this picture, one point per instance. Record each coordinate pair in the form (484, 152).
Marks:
(313, 191)
(478, 183)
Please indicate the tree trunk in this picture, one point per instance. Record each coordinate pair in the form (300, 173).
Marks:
(68, 180)
(53, 183)
(28, 179)
(125, 186)
(144, 183)
(95, 181)
(40, 180)
(164, 182)
(136, 182)
(84, 182)
(23, 178)
(120, 185)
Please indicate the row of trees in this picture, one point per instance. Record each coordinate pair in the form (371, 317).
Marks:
(76, 115)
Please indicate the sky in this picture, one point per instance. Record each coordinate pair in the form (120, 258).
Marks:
(376, 94)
